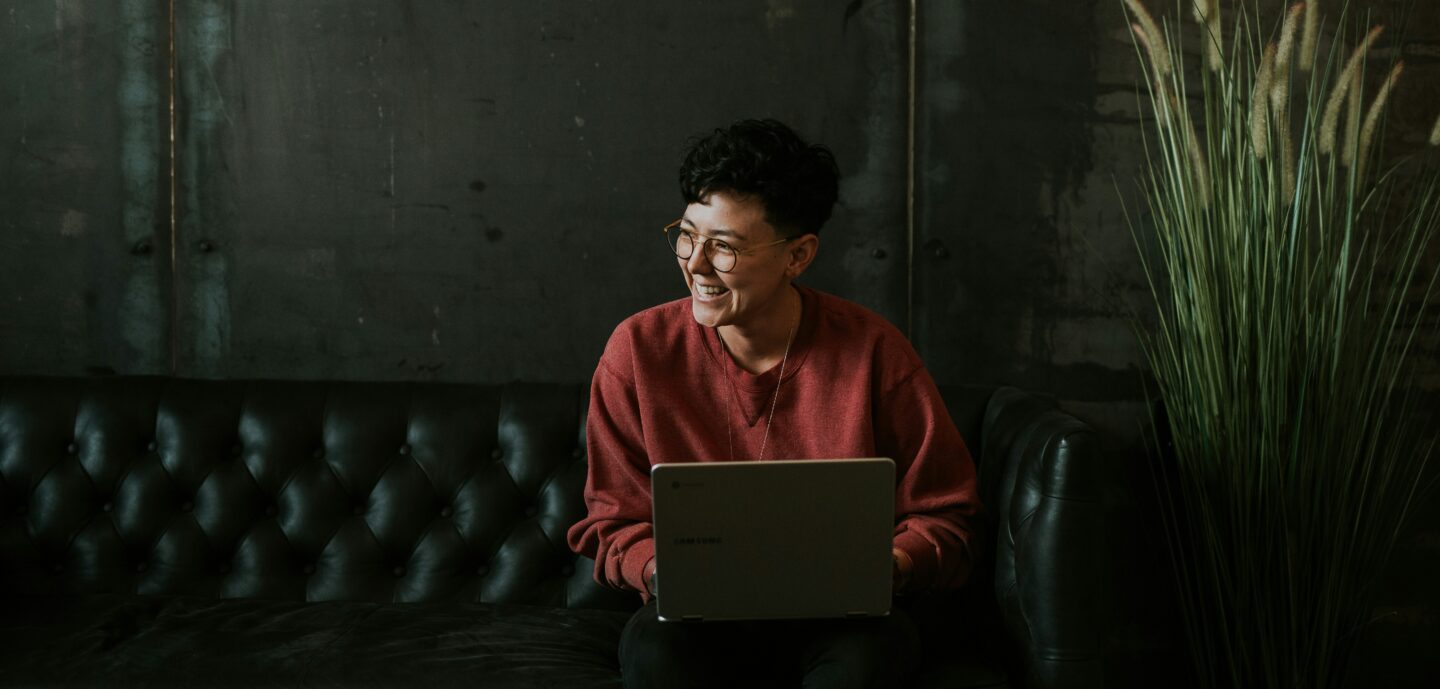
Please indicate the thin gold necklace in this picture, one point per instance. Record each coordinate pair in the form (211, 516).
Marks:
(774, 401)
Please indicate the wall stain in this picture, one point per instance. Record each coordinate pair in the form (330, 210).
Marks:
(850, 11)
(778, 13)
(72, 223)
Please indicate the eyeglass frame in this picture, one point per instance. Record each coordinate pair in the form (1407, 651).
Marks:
(710, 256)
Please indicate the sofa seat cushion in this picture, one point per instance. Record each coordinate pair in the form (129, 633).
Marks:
(156, 641)
(194, 642)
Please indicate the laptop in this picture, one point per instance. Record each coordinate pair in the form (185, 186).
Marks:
(791, 539)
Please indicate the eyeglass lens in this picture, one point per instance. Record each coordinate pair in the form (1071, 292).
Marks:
(720, 255)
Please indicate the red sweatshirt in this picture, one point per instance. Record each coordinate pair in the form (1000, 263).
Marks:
(854, 387)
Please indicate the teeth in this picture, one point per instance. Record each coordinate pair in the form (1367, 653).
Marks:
(709, 291)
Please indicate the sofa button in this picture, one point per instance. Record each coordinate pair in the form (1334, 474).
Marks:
(57, 568)
(567, 570)
(270, 510)
(140, 568)
(72, 448)
(107, 507)
(357, 510)
(481, 571)
(152, 446)
(405, 449)
(530, 511)
(496, 453)
(398, 572)
(308, 569)
(318, 453)
(20, 510)
(187, 506)
(577, 453)
(446, 511)
(236, 450)
(225, 568)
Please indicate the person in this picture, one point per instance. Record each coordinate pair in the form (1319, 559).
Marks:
(752, 366)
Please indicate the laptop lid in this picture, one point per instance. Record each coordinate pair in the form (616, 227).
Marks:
(788, 539)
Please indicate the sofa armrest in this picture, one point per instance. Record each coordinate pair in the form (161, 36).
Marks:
(1042, 478)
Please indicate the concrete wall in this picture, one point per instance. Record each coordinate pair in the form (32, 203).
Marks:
(474, 191)
(468, 191)
(419, 190)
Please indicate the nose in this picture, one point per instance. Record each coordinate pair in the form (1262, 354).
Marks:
(699, 261)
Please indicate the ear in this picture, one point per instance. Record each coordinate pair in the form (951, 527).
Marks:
(800, 253)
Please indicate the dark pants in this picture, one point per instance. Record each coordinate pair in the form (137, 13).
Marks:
(873, 652)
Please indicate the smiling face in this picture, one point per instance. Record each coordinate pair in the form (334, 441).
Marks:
(754, 290)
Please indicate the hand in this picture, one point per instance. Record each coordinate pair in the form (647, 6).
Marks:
(650, 576)
(901, 569)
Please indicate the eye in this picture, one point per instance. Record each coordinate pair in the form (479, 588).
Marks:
(722, 247)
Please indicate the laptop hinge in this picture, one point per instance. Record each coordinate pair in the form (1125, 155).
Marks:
(857, 614)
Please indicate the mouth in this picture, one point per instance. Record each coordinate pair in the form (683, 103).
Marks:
(707, 292)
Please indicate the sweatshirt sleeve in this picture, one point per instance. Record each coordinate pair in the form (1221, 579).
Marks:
(936, 499)
(617, 531)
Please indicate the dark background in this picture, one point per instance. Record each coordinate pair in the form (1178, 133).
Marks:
(473, 191)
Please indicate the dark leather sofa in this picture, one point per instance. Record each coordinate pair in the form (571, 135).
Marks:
(171, 532)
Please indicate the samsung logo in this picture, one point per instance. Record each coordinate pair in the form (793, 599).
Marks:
(698, 540)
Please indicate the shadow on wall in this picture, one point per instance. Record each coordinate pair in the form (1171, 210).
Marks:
(1024, 272)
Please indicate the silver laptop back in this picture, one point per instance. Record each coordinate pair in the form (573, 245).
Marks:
(786, 539)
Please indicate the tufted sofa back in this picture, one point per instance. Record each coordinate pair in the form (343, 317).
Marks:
(294, 490)
(428, 492)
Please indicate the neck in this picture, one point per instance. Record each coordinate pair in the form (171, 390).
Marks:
(758, 347)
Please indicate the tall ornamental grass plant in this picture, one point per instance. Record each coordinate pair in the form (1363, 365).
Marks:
(1291, 266)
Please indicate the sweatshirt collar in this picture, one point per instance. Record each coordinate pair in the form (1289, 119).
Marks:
(799, 349)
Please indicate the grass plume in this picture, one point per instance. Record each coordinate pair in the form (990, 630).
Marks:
(1260, 104)
(1329, 123)
(1155, 42)
(1280, 80)
(1372, 117)
(1280, 97)
(1354, 102)
(1310, 35)
(1207, 14)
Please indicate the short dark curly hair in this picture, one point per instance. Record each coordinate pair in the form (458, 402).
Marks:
(796, 182)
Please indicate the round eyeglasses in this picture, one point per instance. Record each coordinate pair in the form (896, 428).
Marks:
(721, 255)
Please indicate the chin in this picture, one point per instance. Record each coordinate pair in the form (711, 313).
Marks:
(706, 315)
